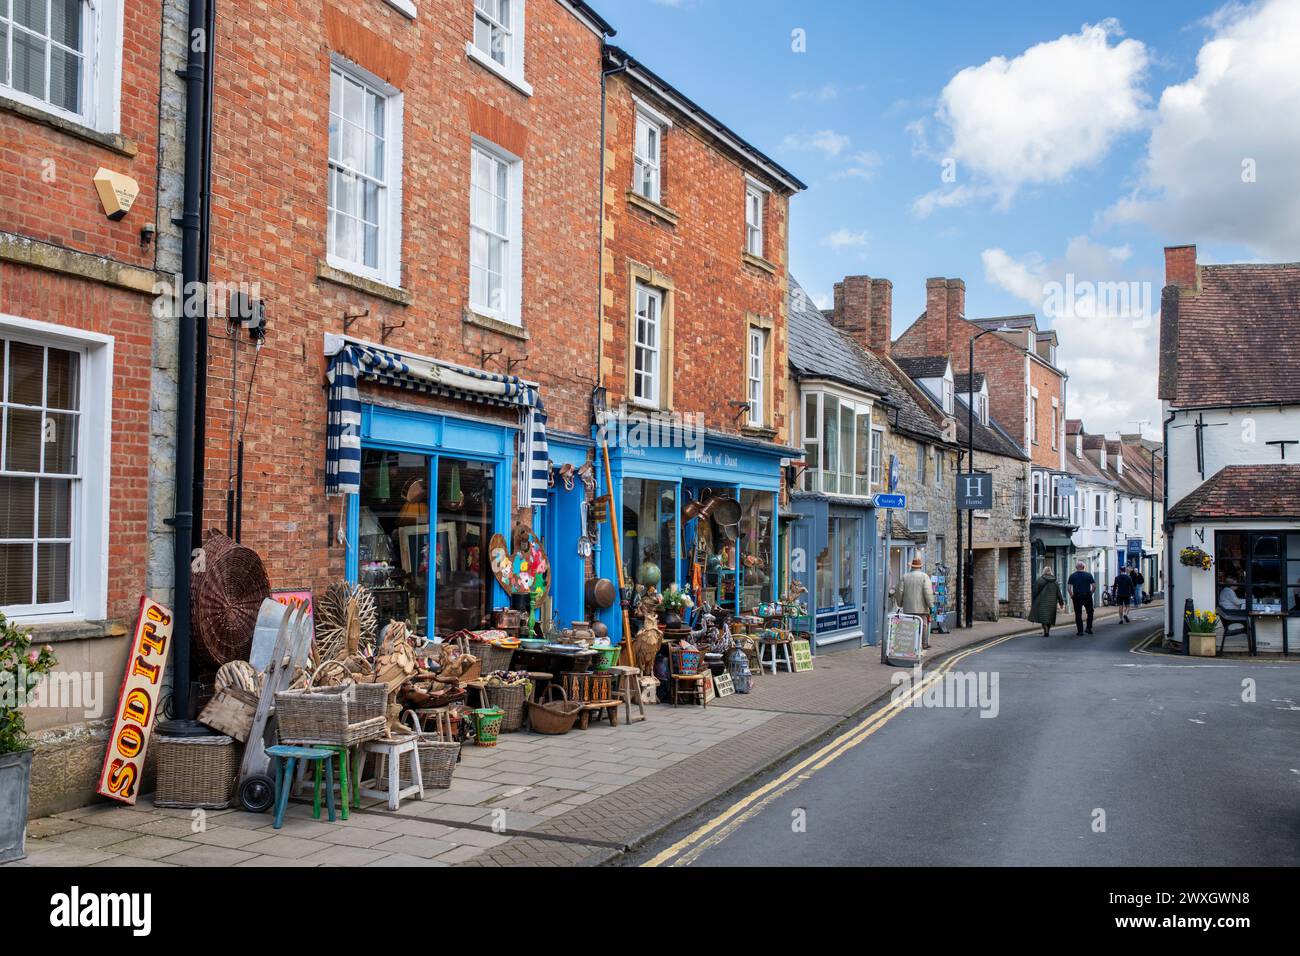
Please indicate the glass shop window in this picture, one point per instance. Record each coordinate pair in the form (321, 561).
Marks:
(826, 595)
(394, 513)
(650, 532)
(755, 530)
(463, 586)
(1266, 573)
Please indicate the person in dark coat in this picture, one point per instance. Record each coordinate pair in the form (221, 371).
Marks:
(1047, 599)
(1082, 587)
(1122, 591)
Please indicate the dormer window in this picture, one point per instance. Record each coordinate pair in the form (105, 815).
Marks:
(947, 396)
(982, 408)
(1103, 459)
(1078, 445)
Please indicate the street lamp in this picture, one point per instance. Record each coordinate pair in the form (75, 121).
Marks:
(967, 574)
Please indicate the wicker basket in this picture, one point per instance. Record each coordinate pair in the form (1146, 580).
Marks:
(438, 751)
(494, 658)
(227, 599)
(510, 698)
(551, 716)
(196, 772)
(342, 716)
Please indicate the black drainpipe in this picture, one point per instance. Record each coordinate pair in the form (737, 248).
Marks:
(1169, 535)
(201, 369)
(193, 268)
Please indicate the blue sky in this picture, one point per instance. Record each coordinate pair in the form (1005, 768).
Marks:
(1097, 139)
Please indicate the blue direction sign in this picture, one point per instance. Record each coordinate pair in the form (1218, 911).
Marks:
(897, 502)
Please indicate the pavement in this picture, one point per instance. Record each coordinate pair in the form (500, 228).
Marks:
(1099, 752)
(584, 798)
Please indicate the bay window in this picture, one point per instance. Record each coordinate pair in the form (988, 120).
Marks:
(841, 449)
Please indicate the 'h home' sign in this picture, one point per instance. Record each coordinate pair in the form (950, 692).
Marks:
(974, 491)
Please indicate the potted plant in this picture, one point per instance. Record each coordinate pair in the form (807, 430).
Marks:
(1195, 557)
(1200, 632)
(672, 605)
(21, 669)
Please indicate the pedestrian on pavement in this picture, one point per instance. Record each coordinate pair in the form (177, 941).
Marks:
(1122, 590)
(1138, 581)
(1082, 587)
(1047, 598)
(918, 597)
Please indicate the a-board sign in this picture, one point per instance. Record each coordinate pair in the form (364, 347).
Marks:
(903, 639)
(137, 704)
(803, 660)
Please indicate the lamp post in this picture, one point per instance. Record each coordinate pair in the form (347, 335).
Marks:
(968, 576)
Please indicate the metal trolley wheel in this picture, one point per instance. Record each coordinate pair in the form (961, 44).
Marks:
(257, 793)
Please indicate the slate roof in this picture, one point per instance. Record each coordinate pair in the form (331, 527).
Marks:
(929, 366)
(991, 438)
(1084, 467)
(1234, 342)
(817, 349)
(1010, 321)
(961, 382)
(1244, 491)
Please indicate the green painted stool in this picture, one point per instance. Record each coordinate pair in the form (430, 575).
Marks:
(347, 788)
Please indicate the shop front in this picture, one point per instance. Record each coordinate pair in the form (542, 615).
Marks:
(694, 509)
(425, 490)
(833, 554)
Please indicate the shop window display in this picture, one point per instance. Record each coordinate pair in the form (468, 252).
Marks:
(755, 544)
(463, 588)
(650, 532)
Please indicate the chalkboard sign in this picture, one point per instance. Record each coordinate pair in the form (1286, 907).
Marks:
(903, 639)
(802, 656)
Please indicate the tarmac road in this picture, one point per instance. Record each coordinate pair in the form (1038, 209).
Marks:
(1097, 756)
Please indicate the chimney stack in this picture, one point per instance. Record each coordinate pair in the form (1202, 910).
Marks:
(1180, 268)
(937, 314)
(863, 308)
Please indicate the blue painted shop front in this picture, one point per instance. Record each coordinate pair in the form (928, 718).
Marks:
(833, 553)
(434, 489)
(652, 484)
(560, 527)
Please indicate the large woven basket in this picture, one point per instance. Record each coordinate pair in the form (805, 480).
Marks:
(553, 716)
(227, 597)
(332, 715)
(510, 698)
(494, 658)
(438, 752)
(196, 772)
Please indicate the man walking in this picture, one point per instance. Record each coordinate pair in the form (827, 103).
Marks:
(1082, 587)
(1138, 581)
(1122, 590)
(918, 597)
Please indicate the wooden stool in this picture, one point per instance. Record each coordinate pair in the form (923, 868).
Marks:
(629, 689)
(390, 750)
(286, 758)
(347, 788)
(608, 707)
(771, 660)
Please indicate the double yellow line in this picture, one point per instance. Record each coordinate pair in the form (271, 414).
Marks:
(685, 850)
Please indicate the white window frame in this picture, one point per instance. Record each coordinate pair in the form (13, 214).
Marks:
(949, 396)
(1033, 418)
(755, 199)
(756, 377)
(88, 575)
(1055, 412)
(938, 467)
(875, 460)
(650, 119)
(388, 268)
(512, 313)
(100, 93)
(512, 70)
(654, 351)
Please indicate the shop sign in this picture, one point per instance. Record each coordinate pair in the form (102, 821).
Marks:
(903, 639)
(294, 598)
(848, 620)
(803, 660)
(827, 623)
(974, 491)
(137, 704)
(1066, 486)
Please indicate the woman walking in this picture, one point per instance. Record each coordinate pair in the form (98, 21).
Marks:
(1122, 589)
(1047, 599)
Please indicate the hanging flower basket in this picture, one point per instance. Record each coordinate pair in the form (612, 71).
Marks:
(1195, 558)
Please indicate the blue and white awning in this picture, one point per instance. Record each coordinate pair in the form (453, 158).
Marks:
(352, 361)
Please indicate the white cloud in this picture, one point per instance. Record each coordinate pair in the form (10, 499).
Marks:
(1103, 311)
(844, 238)
(862, 165)
(1239, 113)
(821, 94)
(826, 140)
(1038, 117)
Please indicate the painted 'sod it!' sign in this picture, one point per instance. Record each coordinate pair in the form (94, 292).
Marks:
(137, 704)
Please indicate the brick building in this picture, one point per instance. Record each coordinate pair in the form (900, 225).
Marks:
(693, 336)
(77, 343)
(411, 192)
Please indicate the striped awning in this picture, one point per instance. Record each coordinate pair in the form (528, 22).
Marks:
(352, 361)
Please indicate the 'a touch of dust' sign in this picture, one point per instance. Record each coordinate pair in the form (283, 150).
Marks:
(137, 705)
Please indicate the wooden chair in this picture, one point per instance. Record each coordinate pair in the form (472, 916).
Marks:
(690, 683)
(1234, 622)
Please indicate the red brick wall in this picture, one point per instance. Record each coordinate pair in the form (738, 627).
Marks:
(713, 286)
(1049, 385)
(271, 136)
(47, 193)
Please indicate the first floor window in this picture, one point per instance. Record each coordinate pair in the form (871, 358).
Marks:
(40, 476)
(756, 372)
(939, 463)
(876, 434)
(43, 51)
(647, 346)
(495, 220)
(922, 451)
(493, 30)
(364, 162)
